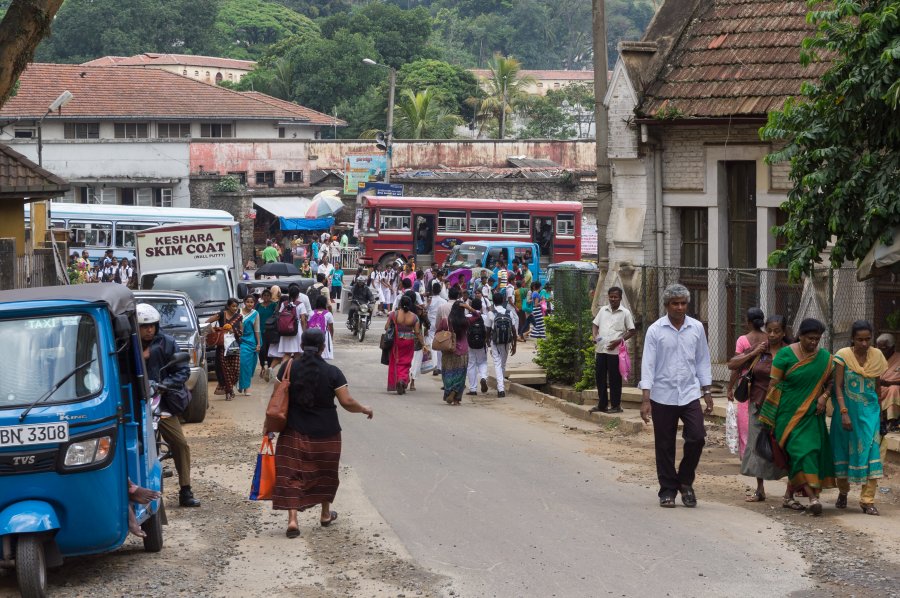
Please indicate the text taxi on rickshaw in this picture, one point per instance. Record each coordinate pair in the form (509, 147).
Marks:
(75, 427)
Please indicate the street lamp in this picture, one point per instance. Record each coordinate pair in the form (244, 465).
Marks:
(57, 104)
(389, 134)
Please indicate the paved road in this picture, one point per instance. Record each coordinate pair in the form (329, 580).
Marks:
(508, 506)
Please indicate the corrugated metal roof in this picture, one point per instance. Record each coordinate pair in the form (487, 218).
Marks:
(735, 58)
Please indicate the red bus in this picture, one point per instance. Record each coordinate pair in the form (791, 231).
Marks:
(427, 228)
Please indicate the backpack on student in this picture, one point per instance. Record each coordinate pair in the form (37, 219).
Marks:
(313, 293)
(287, 320)
(317, 320)
(270, 330)
(502, 332)
(477, 334)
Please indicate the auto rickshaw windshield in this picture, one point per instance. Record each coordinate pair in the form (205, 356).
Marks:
(40, 351)
(466, 256)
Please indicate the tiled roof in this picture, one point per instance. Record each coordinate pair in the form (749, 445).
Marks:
(316, 118)
(104, 93)
(154, 59)
(544, 75)
(21, 176)
(734, 58)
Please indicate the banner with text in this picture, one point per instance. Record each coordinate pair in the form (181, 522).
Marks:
(363, 169)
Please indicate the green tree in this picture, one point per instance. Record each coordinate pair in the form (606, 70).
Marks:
(578, 100)
(420, 116)
(315, 9)
(450, 85)
(87, 29)
(842, 138)
(546, 119)
(246, 28)
(399, 36)
(625, 20)
(24, 25)
(506, 91)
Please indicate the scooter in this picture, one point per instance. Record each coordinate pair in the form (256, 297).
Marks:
(361, 320)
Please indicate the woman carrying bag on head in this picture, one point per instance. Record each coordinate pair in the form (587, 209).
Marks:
(228, 359)
(308, 452)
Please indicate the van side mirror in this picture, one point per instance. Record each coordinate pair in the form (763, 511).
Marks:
(242, 290)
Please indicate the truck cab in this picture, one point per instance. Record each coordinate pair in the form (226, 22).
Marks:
(486, 254)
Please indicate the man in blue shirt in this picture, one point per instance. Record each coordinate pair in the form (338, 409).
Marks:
(675, 372)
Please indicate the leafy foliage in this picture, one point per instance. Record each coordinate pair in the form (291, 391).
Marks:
(420, 115)
(506, 92)
(842, 138)
(246, 28)
(451, 85)
(87, 29)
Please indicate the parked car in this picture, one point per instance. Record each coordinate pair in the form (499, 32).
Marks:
(178, 319)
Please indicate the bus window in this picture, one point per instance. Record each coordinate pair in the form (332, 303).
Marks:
(90, 234)
(368, 223)
(451, 221)
(516, 223)
(484, 222)
(565, 224)
(394, 220)
(125, 233)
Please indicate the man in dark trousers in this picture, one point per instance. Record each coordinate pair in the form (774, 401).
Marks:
(613, 325)
(675, 372)
(159, 348)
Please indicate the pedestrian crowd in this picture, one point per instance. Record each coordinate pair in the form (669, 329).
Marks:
(782, 387)
(81, 270)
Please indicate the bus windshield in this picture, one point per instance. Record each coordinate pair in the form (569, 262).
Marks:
(204, 287)
(42, 350)
(466, 256)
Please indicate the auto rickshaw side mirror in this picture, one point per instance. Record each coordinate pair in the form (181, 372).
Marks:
(242, 290)
(122, 327)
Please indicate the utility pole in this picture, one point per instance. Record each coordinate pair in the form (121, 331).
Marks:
(503, 112)
(601, 125)
(390, 124)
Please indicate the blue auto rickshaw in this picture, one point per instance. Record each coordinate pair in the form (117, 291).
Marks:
(75, 426)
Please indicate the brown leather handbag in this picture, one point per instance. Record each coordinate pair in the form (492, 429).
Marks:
(277, 411)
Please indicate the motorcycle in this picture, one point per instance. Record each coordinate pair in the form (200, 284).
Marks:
(360, 321)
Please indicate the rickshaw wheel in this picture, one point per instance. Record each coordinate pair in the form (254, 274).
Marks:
(153, 542)
(31, 568)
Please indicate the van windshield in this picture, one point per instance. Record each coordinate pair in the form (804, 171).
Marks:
(40, 351)
(173, 313)
(466, 256)
(202, 286)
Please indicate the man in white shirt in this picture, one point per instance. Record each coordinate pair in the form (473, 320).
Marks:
(675, 372)
(438, 309)
(327, 269)
(613, 325)
(501, 350)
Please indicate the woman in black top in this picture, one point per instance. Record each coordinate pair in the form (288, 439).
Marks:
(308, 452)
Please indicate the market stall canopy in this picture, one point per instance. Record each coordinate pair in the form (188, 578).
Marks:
(291, 213)
(881, 259)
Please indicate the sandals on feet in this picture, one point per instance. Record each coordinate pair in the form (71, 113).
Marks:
(869, 509)
(292, 532)
(841, 502)
(667, 502)
(327, 522)
(792, 504)
(756, 497)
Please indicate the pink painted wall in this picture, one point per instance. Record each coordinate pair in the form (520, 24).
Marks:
(279, 155)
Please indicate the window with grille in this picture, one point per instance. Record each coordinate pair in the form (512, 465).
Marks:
(173, 130)
(125, 233)
(143, 196)
(216, 130)
(165, 197)
(265, 178)
(484, 222)
(394, 220)
(293, 176)
(565, 224)
(451, 221)
(82, 130)
(24, 133)
(694, 238)
(131, 130)
(516, 223)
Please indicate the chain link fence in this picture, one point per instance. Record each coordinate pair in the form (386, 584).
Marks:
(720, 298)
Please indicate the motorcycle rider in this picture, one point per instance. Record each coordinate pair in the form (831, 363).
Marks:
(159, 349)
(360, 294)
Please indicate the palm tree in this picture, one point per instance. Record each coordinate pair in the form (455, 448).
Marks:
(421, 116)
(505, 92)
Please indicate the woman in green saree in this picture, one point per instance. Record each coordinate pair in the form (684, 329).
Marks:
(795, 411)
(855, 426)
